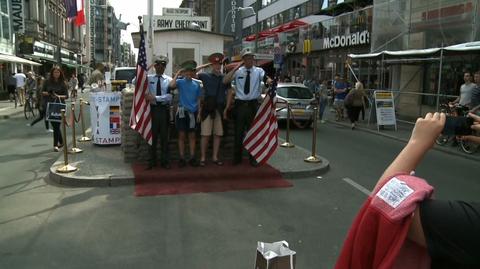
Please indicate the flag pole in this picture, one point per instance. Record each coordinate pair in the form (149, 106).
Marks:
(150, 30)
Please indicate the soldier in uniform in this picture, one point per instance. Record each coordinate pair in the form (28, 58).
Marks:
(248, 91)
(160, 100)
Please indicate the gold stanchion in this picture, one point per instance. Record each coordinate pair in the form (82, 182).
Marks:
(314, 158)
(74, 148)
(84, 137)
(66, 168)
(287, 143)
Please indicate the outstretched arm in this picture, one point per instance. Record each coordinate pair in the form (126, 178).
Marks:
(423, 137)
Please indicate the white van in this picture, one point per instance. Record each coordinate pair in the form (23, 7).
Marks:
(124, 73)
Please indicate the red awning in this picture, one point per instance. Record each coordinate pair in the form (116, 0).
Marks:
(281, 28)
(229, 67)
(292, 25)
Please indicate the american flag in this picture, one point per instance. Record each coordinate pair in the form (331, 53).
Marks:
(140, 119)
(261, 140)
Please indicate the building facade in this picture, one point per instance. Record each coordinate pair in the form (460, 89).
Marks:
(105, 27)
(332, 30)
(49, 38)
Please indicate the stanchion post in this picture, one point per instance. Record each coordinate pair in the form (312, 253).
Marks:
(84, 137)
(65, 168)
(314, 158)
(287, 143)
(74, 148)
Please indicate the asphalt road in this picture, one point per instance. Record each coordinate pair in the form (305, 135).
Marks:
(46, 226)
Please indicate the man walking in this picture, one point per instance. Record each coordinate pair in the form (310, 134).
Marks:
(214, 101)
(97, 75)
(248, 80)
(160, 100)
(20, 86)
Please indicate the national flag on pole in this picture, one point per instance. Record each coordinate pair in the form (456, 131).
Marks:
(261, 140)
(75, 11)
(140, 118)
(80, 19)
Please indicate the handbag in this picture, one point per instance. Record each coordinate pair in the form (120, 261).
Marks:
(349, 98)
(54, 110)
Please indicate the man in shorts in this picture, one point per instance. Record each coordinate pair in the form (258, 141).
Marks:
(340, 90)
(215, 92)
(187, 116)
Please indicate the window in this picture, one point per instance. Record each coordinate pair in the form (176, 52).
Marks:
(295, 92)
(4, 6)
(5, 27)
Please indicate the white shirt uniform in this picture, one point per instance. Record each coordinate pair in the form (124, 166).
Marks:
(21, 79)
(165, 97)
(256, 77)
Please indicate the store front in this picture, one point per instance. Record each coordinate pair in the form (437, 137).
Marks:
(329, 39)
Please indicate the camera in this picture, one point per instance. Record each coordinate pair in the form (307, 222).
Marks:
(458, 126)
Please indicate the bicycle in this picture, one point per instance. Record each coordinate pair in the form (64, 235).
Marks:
(457, 110)
(29, 106)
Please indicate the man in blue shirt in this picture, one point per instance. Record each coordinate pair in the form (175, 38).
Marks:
(187, 116)
(340, 90)
(160, 100)
(211, 111)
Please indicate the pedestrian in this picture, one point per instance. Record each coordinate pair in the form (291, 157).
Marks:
(356, 102)
(187, 116)
(400, 219)
(41, 104)
(55, 90)
(31, 84)
(81, 82)
(248, 80)
(476, 94)
(160, 100)
(72, 85)
(11, 87)
(97, 76)
(321, 93)
(211, 110)
(340, 91)
(20, 86)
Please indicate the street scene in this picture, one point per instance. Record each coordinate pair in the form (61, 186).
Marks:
(239, 134)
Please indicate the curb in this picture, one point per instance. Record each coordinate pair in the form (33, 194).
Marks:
(436, 147)
(70, 180)
(8, 116)
(301, 174)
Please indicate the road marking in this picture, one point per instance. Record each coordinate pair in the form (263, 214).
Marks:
(357, 186)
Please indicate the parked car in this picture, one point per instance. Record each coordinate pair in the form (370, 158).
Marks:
(300, 99)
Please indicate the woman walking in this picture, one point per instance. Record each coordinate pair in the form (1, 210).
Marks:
(72, 84)
(55, 90)
(355, 103)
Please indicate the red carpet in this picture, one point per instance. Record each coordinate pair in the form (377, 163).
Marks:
(211, 178)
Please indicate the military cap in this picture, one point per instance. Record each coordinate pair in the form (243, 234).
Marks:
(162, 59)
(246, 52)
(216, 58)
(189, 65)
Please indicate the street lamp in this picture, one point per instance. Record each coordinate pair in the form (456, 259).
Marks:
(245, 11)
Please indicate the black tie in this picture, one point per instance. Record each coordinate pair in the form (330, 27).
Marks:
(246, 88)
(159, 87)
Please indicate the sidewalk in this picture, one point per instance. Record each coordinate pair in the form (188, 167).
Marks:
(401, 134)
(103, 166)
(8, 110)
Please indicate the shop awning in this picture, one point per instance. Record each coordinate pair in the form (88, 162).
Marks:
(465, 46)
(469, 46)
(15, 59)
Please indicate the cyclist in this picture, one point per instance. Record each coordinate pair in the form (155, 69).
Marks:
(465, 97)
